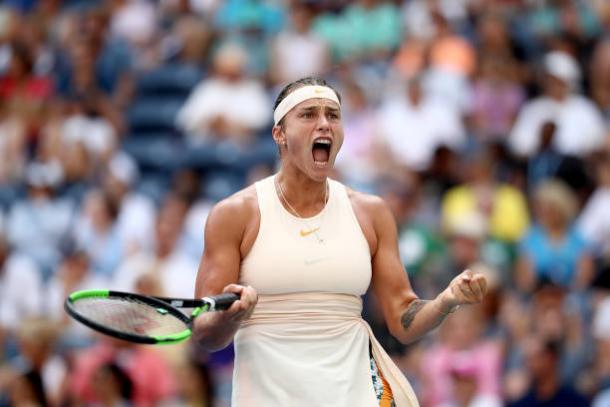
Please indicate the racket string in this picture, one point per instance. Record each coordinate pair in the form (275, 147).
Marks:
(128, 315)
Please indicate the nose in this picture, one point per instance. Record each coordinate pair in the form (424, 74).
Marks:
(323, 123)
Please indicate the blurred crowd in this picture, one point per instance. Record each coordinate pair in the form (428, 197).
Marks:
(485, 124)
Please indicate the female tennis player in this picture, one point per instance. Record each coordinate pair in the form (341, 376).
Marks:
(301, 249)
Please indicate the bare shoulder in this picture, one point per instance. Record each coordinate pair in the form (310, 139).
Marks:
(234, 213)
(373, 205)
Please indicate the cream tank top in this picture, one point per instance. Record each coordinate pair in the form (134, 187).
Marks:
(325, 253)
(306, 343)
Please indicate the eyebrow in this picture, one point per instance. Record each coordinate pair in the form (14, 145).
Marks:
(316, 107)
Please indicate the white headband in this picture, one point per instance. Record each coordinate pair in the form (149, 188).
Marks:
(300, 95)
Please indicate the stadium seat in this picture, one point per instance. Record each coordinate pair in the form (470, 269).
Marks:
(172, 80)
(153, 115)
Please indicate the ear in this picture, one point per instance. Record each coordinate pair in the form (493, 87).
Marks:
(278, 135)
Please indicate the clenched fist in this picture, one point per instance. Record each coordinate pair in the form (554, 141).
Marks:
(466, 288)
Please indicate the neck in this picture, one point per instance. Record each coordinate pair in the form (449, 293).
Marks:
(556, 232)
(308, 197)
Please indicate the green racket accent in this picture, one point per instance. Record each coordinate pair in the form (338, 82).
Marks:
(173, 338)
(199, 310)
(88, 294)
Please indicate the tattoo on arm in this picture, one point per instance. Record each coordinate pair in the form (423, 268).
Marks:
(414, 307)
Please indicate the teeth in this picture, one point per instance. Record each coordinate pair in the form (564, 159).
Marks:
(322, 141)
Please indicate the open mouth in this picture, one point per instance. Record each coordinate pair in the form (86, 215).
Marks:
(321, 150)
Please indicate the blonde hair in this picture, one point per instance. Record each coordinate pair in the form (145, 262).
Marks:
(558, 194)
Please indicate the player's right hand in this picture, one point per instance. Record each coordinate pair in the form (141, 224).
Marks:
(241, 309)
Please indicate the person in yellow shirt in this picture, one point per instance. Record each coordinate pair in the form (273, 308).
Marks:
(503, 206)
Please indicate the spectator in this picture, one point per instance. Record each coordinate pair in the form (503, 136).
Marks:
(146, 369)
(553, 248)
(546, 387)
(496, 99)
(136, 212)
(36, 224)
(93, 62)
(187, 189)
(20, 85)
(503, 207)
(297, 51)
(461, 340)
(411, 127)
(195, 384)
(37, 369)
(193, 41)
(135, 21)
(350, 37)
(112, 386)
(580, 127)
(226, 105)
(465, 392)
(452, 60)
(359, 161)
(98, 233)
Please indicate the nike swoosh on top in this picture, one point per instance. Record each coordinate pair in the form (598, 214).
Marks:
(308, 232)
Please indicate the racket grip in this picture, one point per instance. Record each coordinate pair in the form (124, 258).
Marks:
(221, 301)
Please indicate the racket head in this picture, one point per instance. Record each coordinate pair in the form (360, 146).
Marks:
(129, 316)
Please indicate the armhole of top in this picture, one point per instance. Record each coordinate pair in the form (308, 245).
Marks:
(262, 199)
(345, 202)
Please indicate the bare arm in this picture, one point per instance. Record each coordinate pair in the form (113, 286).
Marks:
(219, 272)
(409, 317)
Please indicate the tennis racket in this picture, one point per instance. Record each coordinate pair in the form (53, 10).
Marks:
(140, 318)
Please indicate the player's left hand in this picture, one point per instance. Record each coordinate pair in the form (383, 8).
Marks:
(467, 288)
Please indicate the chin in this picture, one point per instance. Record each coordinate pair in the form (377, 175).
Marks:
(319, 174)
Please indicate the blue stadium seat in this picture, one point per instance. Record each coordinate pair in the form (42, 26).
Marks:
(219, 184)
(172, 80)
(154, 185)
(153, 115)
(158, 153)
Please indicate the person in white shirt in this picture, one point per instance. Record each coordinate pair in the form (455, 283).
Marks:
(36, 224)
(580, 125)
(227, 105)
(414, 126)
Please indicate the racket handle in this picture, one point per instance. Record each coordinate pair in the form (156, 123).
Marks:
(221, 301)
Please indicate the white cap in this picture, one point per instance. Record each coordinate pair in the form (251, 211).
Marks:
(563, 66)
(123, 168)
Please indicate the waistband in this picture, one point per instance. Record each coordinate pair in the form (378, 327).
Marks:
(294, 307)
